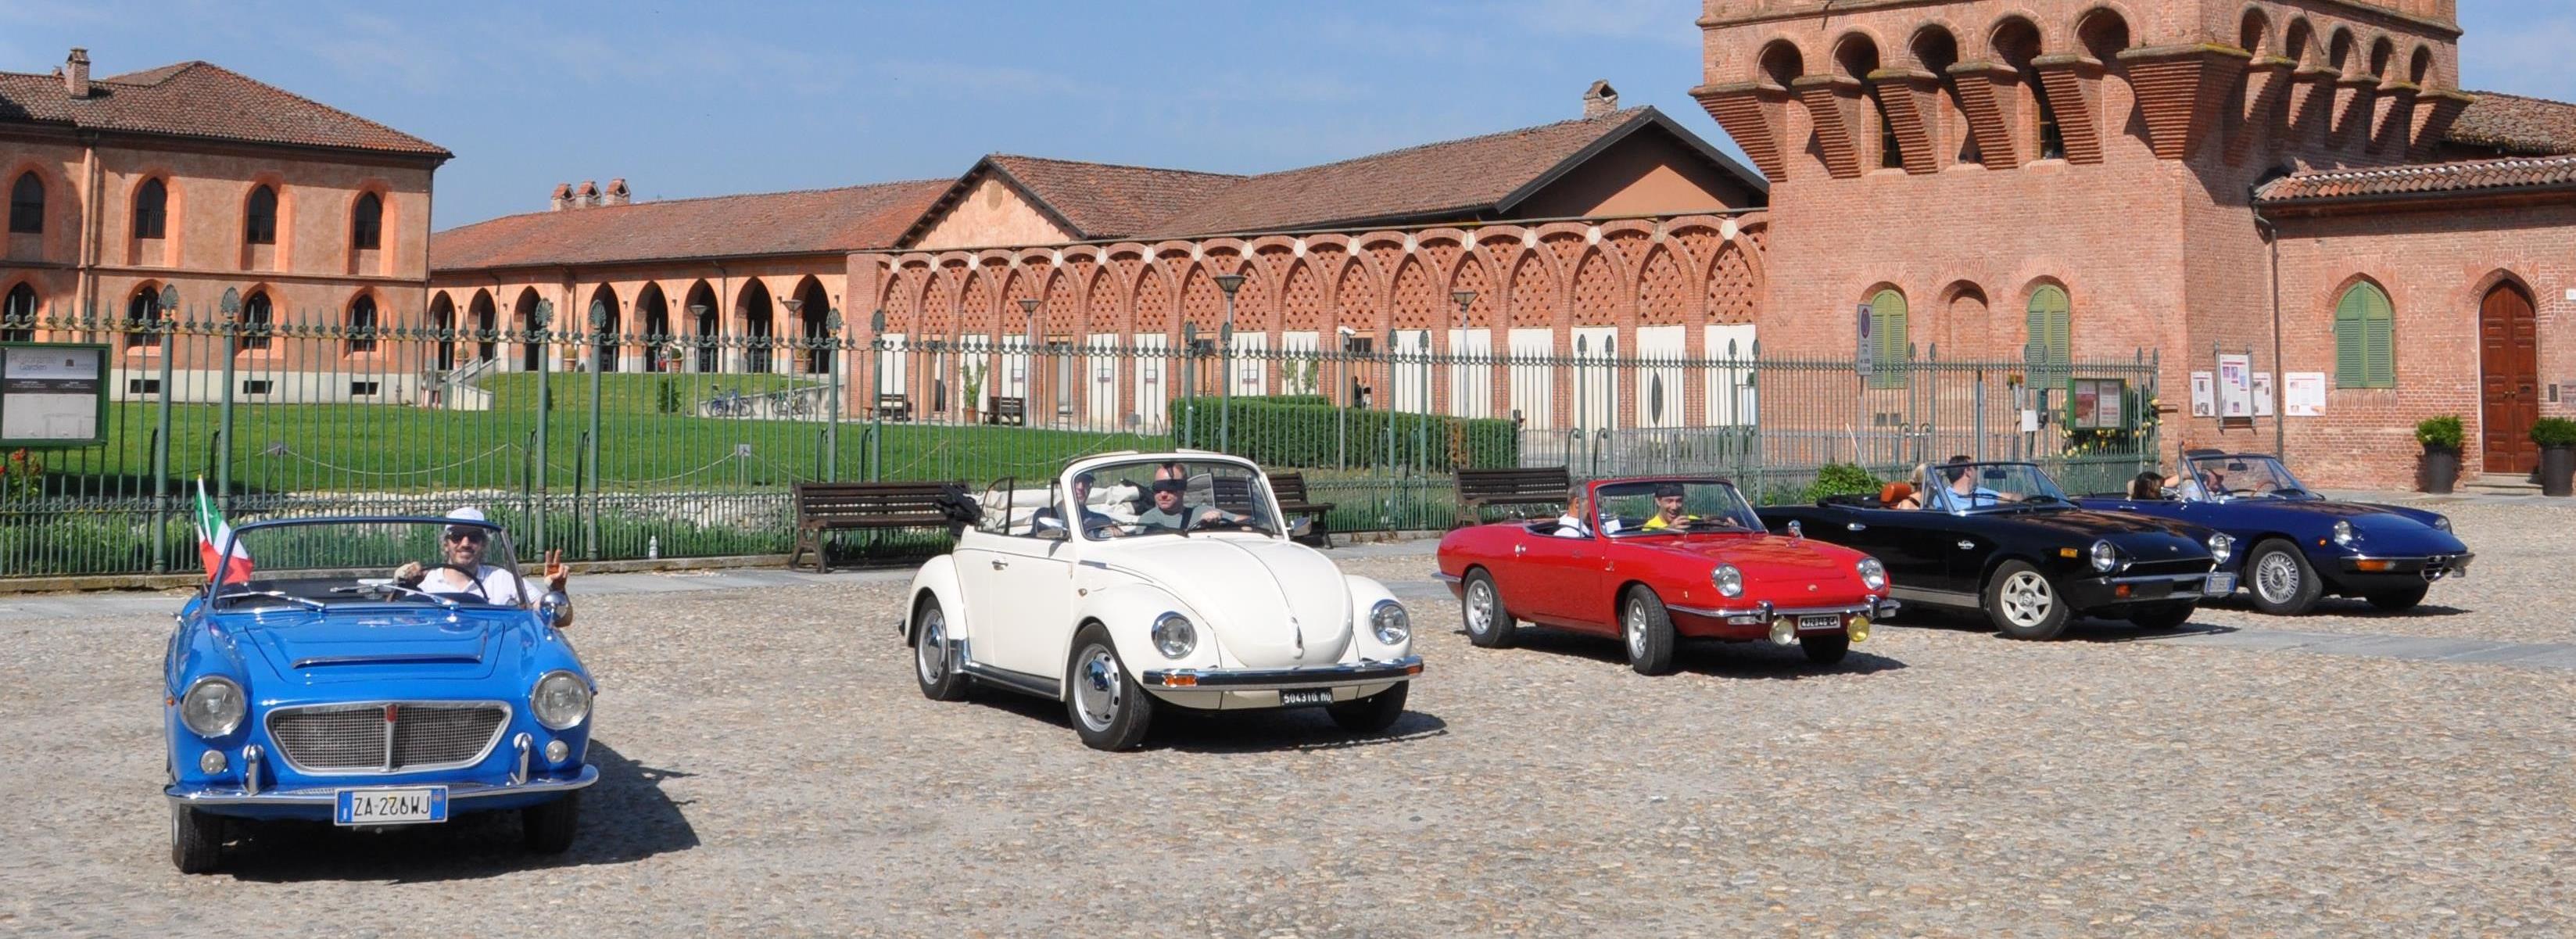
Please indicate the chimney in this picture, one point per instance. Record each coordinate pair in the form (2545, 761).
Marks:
(1599, 100)
(562, 196)
(76, 73)
(588, 195)
(617, 193)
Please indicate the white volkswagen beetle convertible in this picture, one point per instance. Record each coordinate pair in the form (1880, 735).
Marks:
(1135, 581)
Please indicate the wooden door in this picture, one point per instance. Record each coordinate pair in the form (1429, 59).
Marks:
(2508, 357)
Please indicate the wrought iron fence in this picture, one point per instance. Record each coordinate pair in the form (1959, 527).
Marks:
(620, 446)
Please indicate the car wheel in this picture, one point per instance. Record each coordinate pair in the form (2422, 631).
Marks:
(547, 827)
(1825, 648)
(2398, 600)
(196, 839)
(2281, 580)
(932, 665)
(1110, 710)
(2160, 615)
(2023, 604)
(1647, 628)
(1489, 624)
(1372, 714)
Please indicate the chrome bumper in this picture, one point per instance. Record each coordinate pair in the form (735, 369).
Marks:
(1276, 679)
(1764, 612)
(327, 795)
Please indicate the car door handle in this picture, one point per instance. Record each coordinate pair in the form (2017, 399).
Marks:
(1967, 545)
(998, 564)
(1854, 526)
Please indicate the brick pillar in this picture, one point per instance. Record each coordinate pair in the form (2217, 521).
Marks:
(2181, 90)
(2074, 87)
(1987, 96)
(2352, 101)
(2391, 125)
(2310, 108)
(1835, 104)
(2435, 112)
(2267, 94)
(1756, 115)
(1913, 99)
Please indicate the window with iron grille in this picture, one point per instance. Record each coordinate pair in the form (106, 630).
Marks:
(362, 324)
(256, 320)
(142, 315)
(18, 315)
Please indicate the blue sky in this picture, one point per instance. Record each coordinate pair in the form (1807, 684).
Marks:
(704, 99)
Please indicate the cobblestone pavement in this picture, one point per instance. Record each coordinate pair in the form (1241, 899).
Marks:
(768, 767)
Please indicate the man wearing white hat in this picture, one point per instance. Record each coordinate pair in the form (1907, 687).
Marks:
(461, 548)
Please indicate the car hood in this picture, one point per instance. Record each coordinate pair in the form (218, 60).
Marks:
(1270, 604)
(2089, 523)
(1771, 558)
(379, 644)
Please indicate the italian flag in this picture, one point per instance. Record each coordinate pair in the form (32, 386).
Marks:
(213, 536)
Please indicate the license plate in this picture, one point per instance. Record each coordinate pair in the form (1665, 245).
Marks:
(390, 806)
(2220, 585)
(1813, 621)
(1305, 697)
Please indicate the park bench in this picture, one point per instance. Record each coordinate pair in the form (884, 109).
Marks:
(827, 507)
(894, 407)
(1479, 488)
(1012, 411)
(1290, 490)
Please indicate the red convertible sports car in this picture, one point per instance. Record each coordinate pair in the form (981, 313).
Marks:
(1652, 559)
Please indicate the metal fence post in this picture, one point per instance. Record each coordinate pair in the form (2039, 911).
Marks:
(589, 481)
(232, 305)
(876, 390)
(831, 341)
(166, 305)
(537, 320)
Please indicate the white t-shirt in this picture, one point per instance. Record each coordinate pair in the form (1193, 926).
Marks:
(495, 584)
(1568, 526)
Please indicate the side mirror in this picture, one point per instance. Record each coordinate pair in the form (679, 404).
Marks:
(1796, 530)
(1303, 526)
(555, 609)
(1052, 533)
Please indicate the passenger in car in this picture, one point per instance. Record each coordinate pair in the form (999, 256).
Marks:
(1570, 524)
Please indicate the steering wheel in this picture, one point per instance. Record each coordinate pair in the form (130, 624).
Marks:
(472, 579)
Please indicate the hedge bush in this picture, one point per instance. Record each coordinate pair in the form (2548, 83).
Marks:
(1842, 479)
(1299, 434)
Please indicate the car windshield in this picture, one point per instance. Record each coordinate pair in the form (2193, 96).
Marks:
(319, 564)
(1966, 488)
(1150, 497)
(1665, 507)
(2246, 477)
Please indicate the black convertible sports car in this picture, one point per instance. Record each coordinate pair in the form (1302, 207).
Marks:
(2002, 538)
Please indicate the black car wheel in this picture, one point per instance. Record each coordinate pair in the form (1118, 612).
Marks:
(196, 839)
(1109, 709)
(1647, 629)
(932, 666)
(2160, 615)
(2023, 604)
(547, 827)
(2398, 600)
(1825, 648)
(2281, 580)
(1480, 604)
(1372, 714)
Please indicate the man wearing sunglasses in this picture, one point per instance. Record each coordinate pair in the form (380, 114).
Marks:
(461, 549)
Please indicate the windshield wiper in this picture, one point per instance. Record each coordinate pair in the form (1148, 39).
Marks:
(305, 602)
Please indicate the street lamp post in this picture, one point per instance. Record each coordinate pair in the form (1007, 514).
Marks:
(705, 343)
(1228, 283)
(795, 313)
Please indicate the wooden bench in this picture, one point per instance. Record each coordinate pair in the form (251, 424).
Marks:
(823, 507)
(1290, 490)
(1012, 411)
(894, 407)
(1478, 488)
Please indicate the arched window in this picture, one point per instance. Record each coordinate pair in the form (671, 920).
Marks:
(2049, 353)
(367, 222)
(257, 318)
(18, 315)
(27, 205)
(259, 217)
(151, 209)
(1888, 344)
(142, 313)
(2365, 328)
(362, 324)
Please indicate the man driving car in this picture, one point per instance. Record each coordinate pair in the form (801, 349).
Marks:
(1172, 513)
(1668, 509)
(462, 571)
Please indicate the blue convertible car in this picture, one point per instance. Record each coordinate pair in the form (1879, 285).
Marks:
(2296, 545)
(371, 672)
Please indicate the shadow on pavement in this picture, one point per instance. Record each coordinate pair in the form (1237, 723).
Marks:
(1254, 731)
(1708, 657)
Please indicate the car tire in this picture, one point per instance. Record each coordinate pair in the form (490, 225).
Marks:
(1481, 599)
(2398, 600)
(1825, 648)
(2280, 579)
(1108, 707)
(1646, 630)
(932, 666)
(1372, 714)
(547, 827)
(196, 839)
(2023, 604)
(2161, 615)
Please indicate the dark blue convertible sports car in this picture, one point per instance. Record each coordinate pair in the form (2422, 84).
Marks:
(370, 672)
(2295, 545)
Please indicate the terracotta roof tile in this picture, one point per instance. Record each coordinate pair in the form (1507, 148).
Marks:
(2469, 175)
(1106, 200)
(2531, 126)
(197, 99)
(813, 221)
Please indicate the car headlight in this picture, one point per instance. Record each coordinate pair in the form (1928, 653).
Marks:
(2105, 556)
(1873, 575)
(2220, 546)
(1174, 635)
(2343, 533)
(2442, 522)
(213, 707)
(1392, 625)
(561, 701)
(1728, 581)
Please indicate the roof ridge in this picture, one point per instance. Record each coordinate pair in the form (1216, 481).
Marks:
(160, 74)
(2353, 172)
(1620, 116)
(888, 184)
(1119, 166)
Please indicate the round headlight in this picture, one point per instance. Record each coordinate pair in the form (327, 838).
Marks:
(213, 707)
(1392, 625)
(2220, 546)
(2105, 556)
(2442, 522)
(1728, 581)
(561, 701)
(1174, 636)
(1873, 575)
(2343, 533)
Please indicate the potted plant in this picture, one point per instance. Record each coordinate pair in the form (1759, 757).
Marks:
(2557, 439)
(2439, 468)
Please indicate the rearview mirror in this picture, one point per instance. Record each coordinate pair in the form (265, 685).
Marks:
(1995, 473)
(1796, 530)
(1303, 526)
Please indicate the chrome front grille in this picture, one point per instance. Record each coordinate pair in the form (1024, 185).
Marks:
(386, 736)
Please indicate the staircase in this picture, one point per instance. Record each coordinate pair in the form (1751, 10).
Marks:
(2500, 484)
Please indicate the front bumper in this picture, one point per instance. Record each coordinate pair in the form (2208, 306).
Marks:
(317, 801)
(2378, 570)
(2094, 593)
(1754, 621)
(1364, 672)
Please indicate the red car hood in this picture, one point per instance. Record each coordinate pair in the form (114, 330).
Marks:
(1769, 558)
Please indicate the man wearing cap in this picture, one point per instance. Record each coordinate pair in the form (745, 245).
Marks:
(1170, 512)
(461, 550)
(1668, 509)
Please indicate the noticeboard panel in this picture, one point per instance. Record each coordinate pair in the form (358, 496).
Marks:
(53, 394)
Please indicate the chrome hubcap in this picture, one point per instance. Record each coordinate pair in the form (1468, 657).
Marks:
(2277, 576)
(1098, 689)
(2027, 599)
(1636, 623)
(1480, 607)
(930, 654)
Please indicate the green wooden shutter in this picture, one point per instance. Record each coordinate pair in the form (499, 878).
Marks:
(2049, 324)
(2365, 341)
(2379, 342)
(1888, 340)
